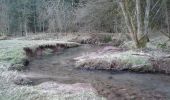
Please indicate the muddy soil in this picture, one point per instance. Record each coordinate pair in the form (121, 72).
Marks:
(112, 85)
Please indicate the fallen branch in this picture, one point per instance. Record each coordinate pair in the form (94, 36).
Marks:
(142, 54)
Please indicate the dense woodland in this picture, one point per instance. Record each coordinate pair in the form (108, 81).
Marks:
(20, 17)
(84, 49)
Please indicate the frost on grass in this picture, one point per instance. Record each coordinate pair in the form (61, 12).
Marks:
(125, 60)
(48, 91)
(12, 52)
(44, 91)
(108, 60)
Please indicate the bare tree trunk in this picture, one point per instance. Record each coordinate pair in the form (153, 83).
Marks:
(25, 21)
(59, 23)
(167, 17)
(43, 26)
(35, 29)
(25, 27)
(146, 20)
(128, 22)
(35, 11)
(142, 37)
(126, 17)
(139, 20)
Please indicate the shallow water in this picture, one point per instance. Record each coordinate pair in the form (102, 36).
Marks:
(60, 68)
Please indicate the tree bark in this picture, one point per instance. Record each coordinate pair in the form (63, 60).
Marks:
(142, 37)
(167, 17)
(139, 20)
(146, 20)
(128, 22)
(25, 21)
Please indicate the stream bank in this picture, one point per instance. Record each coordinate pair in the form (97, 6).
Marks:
(47, 74)
(118, 85)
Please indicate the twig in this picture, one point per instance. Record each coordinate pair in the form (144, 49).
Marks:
(142, 54)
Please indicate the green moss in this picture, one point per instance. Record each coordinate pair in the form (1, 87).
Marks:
(107, 39)
(162, 45)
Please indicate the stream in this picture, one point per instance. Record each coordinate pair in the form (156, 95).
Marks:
(118, 85)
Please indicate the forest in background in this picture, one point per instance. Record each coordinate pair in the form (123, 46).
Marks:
(21, 17)
(84, 49)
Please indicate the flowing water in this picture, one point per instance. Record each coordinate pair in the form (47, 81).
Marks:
(118, 85)
(60, 68)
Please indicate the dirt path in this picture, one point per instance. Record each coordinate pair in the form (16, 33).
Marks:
(113, 85)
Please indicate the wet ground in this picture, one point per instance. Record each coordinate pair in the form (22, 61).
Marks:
(113, 85)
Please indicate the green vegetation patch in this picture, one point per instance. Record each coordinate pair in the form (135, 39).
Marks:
(11, 50)
(107, 38)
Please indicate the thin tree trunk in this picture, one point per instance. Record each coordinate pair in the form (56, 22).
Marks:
(59, 23)
(139, 23)
(35, 26)
(167, 17)
(43, 26)
(128, 22)
(25, 21)
(146, 20)
(25, 27)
